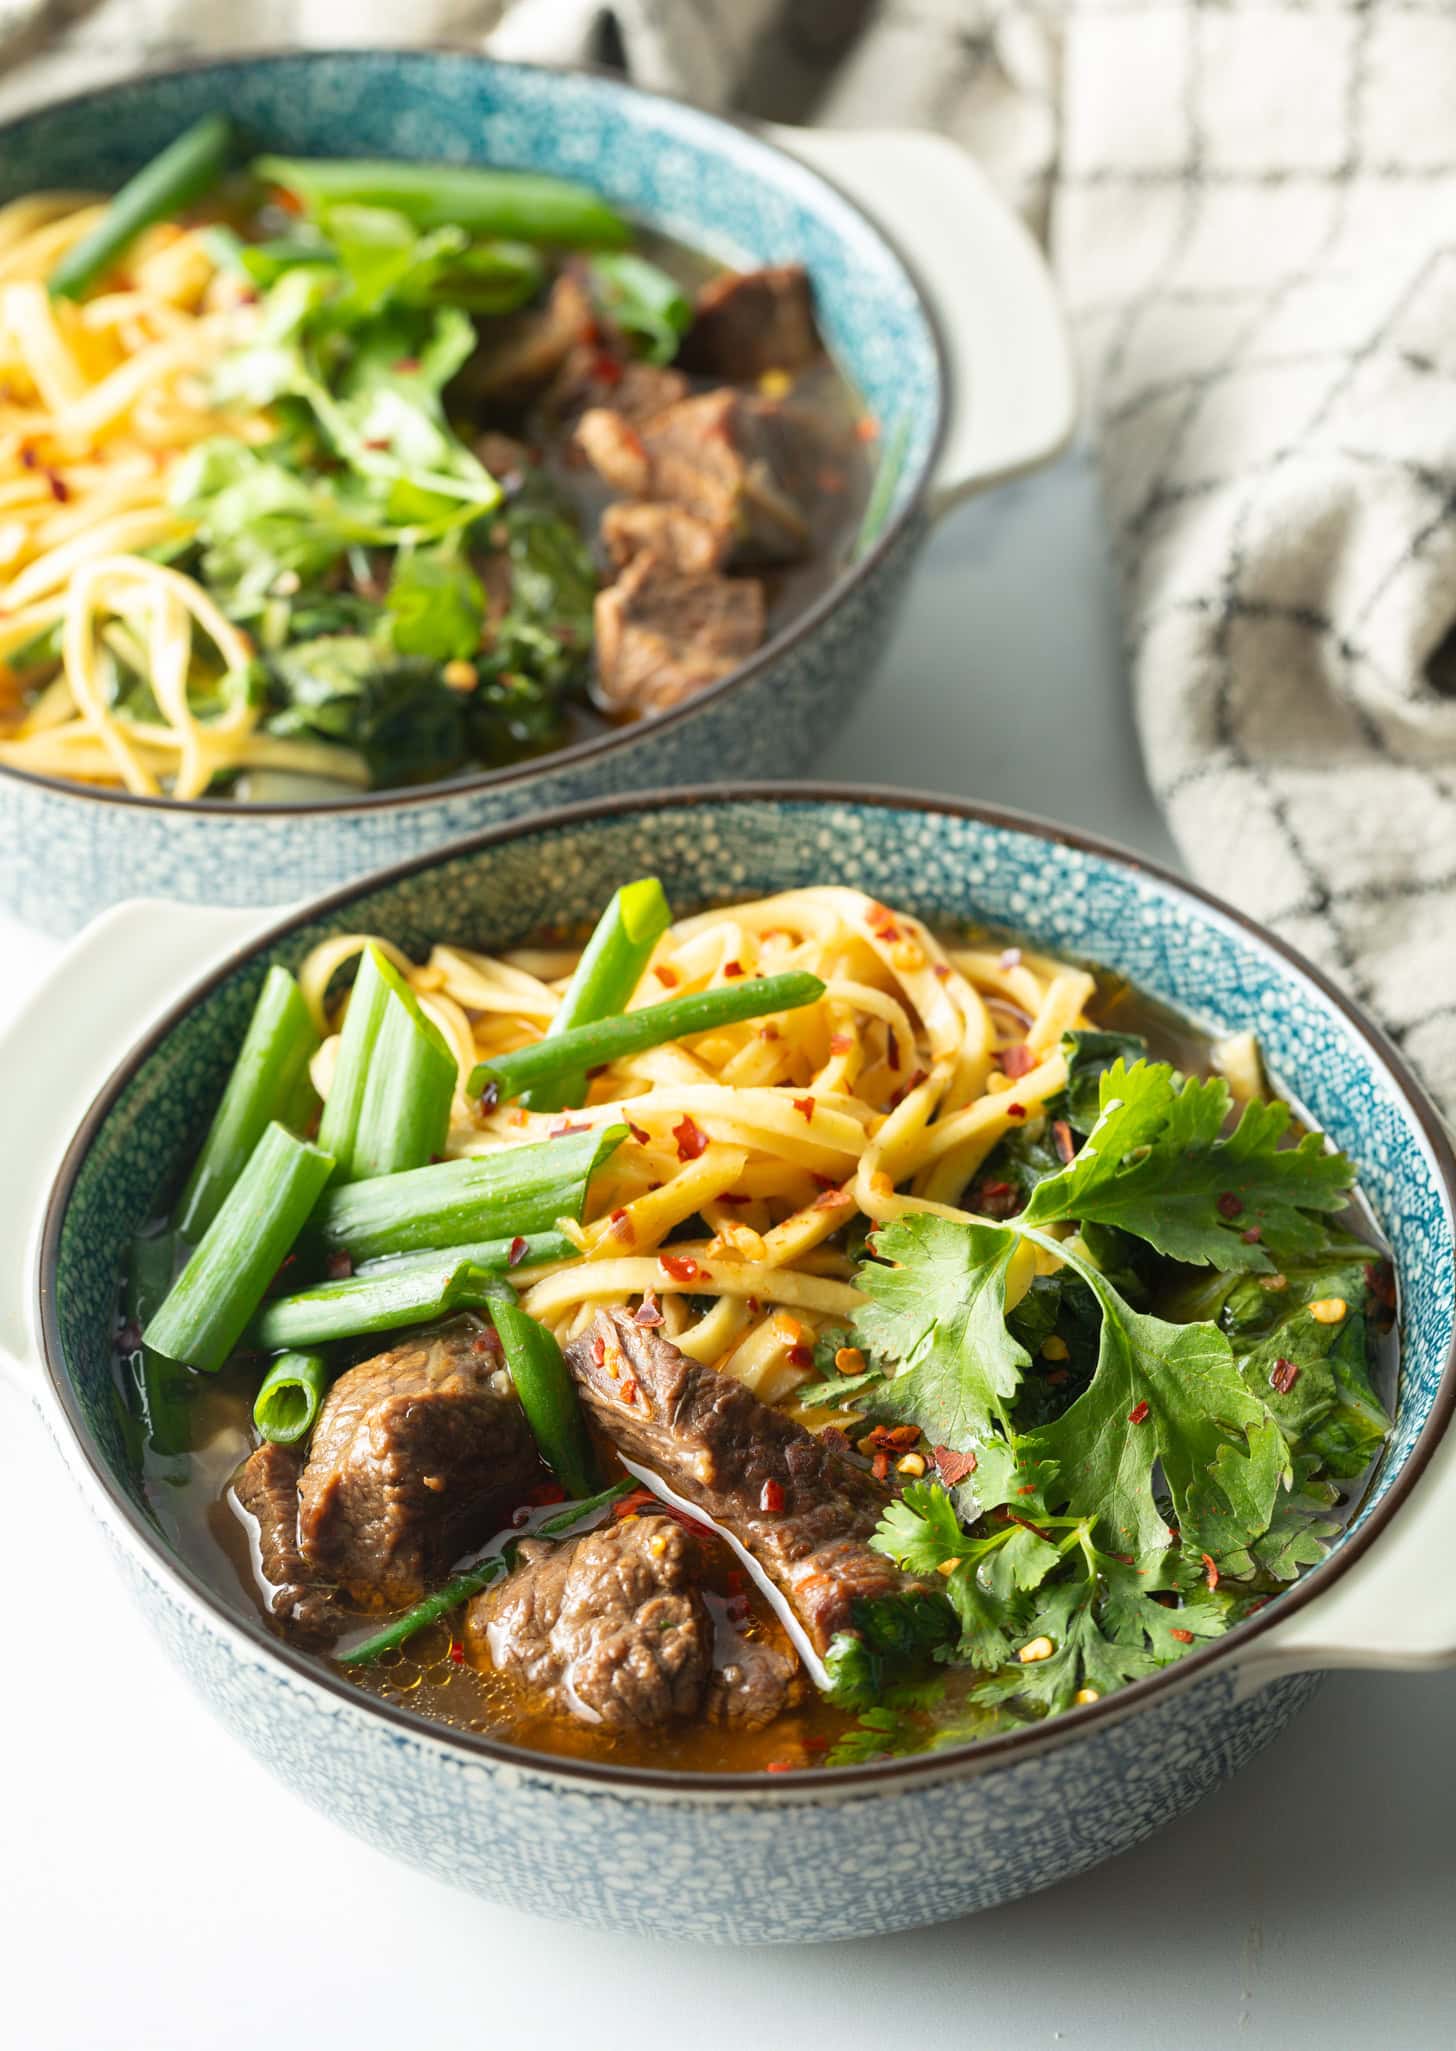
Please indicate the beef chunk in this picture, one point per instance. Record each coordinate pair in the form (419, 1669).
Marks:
(418, 1455)
(662, 637)
(722, 456)
(592, 376)
(753, 1685)
(521, 353)
(610, 1626)
(800, 1506)
(265, 1488)
(748, 322)
(676, 537)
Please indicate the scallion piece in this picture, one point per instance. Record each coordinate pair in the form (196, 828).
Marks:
(175, 179)
(609, 1039)
(269, 1081)
(363, 1304)
(474, 1579)
(290, 1398)
(455, 1203)
(520, 206)
(211, 1301)
(609, 971)
(388, 1107)
(548, 1397)
(492, 1256)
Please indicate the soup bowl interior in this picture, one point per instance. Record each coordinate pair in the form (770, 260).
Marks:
(953, 868)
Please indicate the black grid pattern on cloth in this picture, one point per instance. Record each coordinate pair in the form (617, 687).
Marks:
(1164, 424)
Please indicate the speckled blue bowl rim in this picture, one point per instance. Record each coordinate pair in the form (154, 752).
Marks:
(884, 1774)
(789, 635)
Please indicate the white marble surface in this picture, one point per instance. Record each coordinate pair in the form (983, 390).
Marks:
(159, 1893)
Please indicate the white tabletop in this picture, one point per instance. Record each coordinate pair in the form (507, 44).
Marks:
(159, 1892)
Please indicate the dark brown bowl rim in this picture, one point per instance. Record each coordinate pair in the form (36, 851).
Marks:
(882, 1774)
(594, 746)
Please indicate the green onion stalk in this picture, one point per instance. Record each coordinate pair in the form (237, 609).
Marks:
(609, 971)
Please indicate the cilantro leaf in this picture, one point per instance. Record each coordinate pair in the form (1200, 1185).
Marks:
(920, 1529)
(893, 1640)
(941, 1313)
(1089, 1055)
(1161, 1393)
(1132, 1615)
(1081, 1655)
(1155, 1165)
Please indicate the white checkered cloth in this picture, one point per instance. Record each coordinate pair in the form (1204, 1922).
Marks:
(1253, 212)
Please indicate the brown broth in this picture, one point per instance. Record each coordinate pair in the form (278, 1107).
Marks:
(188, 1498)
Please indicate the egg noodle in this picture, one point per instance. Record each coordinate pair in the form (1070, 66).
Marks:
(884, 1096)
(99, 403)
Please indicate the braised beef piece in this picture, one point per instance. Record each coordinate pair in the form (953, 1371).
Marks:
(521, 353)
(800, 1506)
(596, 376)
(611, 1626)
(723, 456)
(507, 459)
(675, 536)
(754, 1684)
(661, 636)
(747, 322)
(266, 1490)
(418, 1455)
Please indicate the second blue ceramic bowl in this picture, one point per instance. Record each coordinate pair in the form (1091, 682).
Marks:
(843, 1852)
(961, 359)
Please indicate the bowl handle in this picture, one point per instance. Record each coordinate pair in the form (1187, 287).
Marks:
(1394, 1608)
(121, 973)
(1012, 400)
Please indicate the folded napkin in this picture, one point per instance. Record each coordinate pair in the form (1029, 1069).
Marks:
(1252, 209)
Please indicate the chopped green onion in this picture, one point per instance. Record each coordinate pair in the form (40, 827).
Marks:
(474, 1579)
(210, 1303)
(492, 1256)
(609, 971)
(388, 1107)
(520, 206)
(269, 1081)
(364, 1304)
(609, 1039)
(287, 1404)
(172, 180)
(497, 1195)
(548, 1397)
(644, 301)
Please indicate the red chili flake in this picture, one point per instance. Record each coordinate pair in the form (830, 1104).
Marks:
(628, 1390)
(59, 489)
(1283, 1375)
(1252, 1237)
(607, 370)
(866, 430)
(457, 1652)
(407, 364)
(831, 1200)
(339, 1266)
(29, 460)
(841, 1043)
(690, 1137)
(940, 970)
(1017, 1060)
(622, 1226)
(771, 1497)
(517, 1252)
(754, 1305)
(648, 1314)
(1027, 1489)
(1056, 1377)
(1140, 1413)
(599, 1351)
(951, 1466)
(905, 1088)
(1229, 1205)
(1010, 958)
(629, 1505)
(800, 1356)
(1210, 1570)
(880, 1466)
(768, 1032)
(378, 441)
(560, 1131)
(1016, 1110)
(995, 1199)
(733, 968)
(637, 1133)
(681, 1266)
(892, 1053)
(1062, 1134)
(779, 1766)
(881, 921)
(666, 976)
(545, 1494)
(732, 1198)
(805, 1108)
(1183, 1637)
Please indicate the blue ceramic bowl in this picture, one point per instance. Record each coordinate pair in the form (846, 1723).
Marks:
(993, 397)
(839, 1853)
